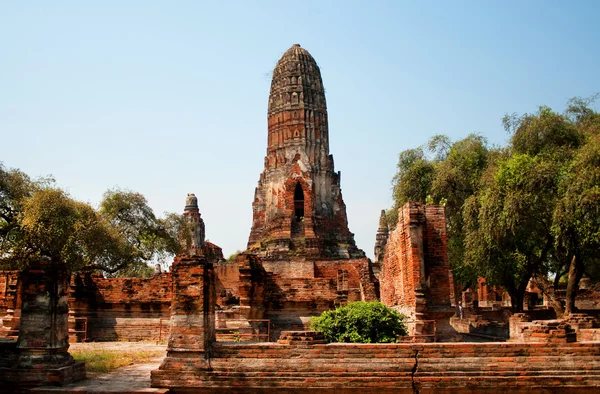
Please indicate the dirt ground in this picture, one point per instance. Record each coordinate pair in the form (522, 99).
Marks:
(129, 379)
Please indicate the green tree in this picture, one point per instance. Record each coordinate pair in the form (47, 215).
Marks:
(521, 210)
(361, 322)
(412, 181)
(577, 217)
(447, 173)
(457, 178)
(152, 238)
(38, 220)
(507, 223)
(512, 222)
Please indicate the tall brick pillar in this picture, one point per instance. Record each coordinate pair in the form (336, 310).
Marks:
(415, 277)
(192, 322)
(42, 355)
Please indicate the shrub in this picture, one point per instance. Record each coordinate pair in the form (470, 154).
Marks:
(361, 322)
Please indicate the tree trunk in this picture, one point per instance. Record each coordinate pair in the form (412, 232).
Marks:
(557, 280)
(549, 290)
(516, 298)
(575, 274)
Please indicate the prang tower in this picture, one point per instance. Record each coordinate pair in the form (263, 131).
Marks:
(298, 208)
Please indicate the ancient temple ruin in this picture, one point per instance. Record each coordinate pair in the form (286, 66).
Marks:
(416, 279)
(298, 207)
(301, 258)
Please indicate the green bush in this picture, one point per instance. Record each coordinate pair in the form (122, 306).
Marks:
(361, 322)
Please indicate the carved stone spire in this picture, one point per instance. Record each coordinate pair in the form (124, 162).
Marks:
(381, 237)
(192, 214)
(298, 202)
(297, 116)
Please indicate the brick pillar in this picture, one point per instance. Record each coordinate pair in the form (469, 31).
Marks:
(44, 331)
(42, 355)
(9, 324)
(192, 320)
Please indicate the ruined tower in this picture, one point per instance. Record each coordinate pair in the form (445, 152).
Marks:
(381, 239)
(192, 215)
(298, 208)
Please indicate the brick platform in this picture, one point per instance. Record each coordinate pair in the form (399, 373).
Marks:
(428, 368)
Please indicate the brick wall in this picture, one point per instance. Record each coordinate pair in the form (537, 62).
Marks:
(121, 309)
(10, 303)
(192, 319)
(464, 367)
(415, 276)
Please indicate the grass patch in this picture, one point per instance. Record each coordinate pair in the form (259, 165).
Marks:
(103, 360)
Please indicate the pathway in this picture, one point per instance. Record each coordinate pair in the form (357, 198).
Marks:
(127, 380)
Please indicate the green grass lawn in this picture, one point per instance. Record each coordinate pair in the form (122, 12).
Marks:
(103, 360)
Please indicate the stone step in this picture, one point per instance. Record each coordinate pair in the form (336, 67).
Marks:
(83, 390)
(392, 382)
(325, 373)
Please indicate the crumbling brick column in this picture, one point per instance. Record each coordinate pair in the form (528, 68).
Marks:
(192, 320)
(42, 355)
(44, 327)
(10, 303)
(415, 278)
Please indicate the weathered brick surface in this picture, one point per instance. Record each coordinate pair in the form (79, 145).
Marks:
(424, 367)
(289, 297)
(41, 352)
(122, 309)
(549, 331)
(192, 319)
(588, 296)
(195, 363)
(490, 296)
(298, 208)
(415, 278)
(10, 303)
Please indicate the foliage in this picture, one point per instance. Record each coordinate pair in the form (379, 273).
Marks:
(412, 181)
(37, 220)
(233, 256)
(107, 360)
(507, 223)
(537, 208)
(445, 173)
(529, 208)
(361, 322)
(457, 178)
(154, 239)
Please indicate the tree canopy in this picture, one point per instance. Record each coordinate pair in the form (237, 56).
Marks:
(446, 173)
(529, 208)
(39, 220)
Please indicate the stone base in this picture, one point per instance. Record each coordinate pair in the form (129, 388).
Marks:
(301, 338)
(393, 368)
(550, 331)
(15, 379)
(178, 368)
(478, 326)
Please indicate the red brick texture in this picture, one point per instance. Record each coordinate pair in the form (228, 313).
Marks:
(195, 363)
(288, 293)
(313, 222)
(415, 277)
(10, 303)
(121, 309)
(192, 319)
(41, 355)
(465, 367)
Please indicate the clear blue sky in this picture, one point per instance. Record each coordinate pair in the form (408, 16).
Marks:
(170, 97)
